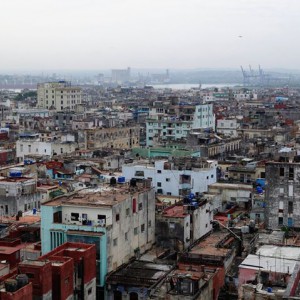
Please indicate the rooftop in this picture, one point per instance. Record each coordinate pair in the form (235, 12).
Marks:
(105, 196)
(208, 246)
(139, 273)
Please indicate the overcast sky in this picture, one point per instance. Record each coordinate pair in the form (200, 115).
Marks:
(104, 34)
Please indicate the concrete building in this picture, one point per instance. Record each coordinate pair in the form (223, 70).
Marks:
(32, 145)
(18, 194)
(118, 219)
(282, 194)
(120, 75)
(118, 137)
(136, 280)
(180, 176)
(73, 271)
(180, 225)
(272, 267)
(164, 126)
(58, 96)
(237, 194)
(228, 127)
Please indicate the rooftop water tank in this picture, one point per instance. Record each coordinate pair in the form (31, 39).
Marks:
(22, 280)
(11, 285)
(121, 179)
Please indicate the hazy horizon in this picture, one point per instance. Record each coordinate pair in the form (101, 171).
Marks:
(95, 35)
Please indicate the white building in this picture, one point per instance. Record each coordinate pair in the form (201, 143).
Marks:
(228, 127)
(204, 117)
(242, 95)
(162, 128)
(33, 145)
(170, 179)
(58, 95)
(118, 219)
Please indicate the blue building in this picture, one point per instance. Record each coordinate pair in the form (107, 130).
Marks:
(119, 220)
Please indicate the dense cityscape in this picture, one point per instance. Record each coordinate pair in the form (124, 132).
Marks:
(149, 150)
(149, 192)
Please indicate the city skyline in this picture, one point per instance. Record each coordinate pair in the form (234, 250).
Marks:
(174, 34)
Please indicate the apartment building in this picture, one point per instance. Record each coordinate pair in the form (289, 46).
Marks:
(58, 96)
(174, 125)
(180, 176)
(38, 145)
(18, 193)
(228, 127)
(118, 219)
(117, 137)
(282, 194)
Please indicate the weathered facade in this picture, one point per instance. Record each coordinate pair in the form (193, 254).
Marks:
(119, 138)
(282, 194)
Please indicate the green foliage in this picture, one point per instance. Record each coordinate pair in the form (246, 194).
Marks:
(24, 95)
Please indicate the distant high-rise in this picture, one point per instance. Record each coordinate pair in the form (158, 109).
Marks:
(59, 95)
(120, 75)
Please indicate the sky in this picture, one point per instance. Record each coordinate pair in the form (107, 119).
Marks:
(175, 34)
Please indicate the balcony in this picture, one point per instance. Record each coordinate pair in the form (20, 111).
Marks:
(185, 186)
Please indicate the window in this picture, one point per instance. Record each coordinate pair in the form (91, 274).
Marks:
(159, 171)
(291, 173)
(212, 176)
(126, 236)
(159, 184)
(135, 231)
(159, 191)
(115, 242)
(29, 148)
(74, 216)
(167, 179)
(291, 190)
(281, 171)
(280, 221)
(127, 211)
(90, 290)
(290, 207)
(149, 223)
(140, 206)
(139, 173)
(280, 206)
(117, 217)
(171, 225)
(142, 227)
(134, 205)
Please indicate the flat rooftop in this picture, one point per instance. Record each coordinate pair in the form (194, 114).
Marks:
(268, 264)
(39, 263)
(15, 179)
(139, 273)
(286, 253)
(106, 196)
(208, 246)
(231, 186)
